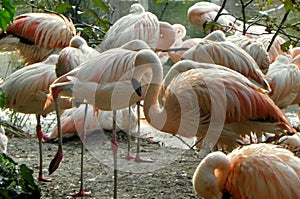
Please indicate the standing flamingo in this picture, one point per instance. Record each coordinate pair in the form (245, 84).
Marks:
(112, 67)
(26, 91)
(38, 35)
(253, 171)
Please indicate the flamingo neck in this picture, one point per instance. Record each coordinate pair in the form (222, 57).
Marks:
(211, 175)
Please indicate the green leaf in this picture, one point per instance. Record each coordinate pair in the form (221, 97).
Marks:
(100, 22)
(101, 5)
(63, 8)
(2, 96)
(288, 5)
(6, 4)
(6, 13)
(285, 46)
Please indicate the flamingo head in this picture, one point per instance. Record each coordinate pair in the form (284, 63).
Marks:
(137, 87)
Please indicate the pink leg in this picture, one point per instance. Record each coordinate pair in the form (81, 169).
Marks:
(82, 192)
(40, 137)
(137, 156)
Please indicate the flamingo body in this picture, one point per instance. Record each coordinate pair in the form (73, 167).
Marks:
(229, 55)
(253, 171)
(284, 79)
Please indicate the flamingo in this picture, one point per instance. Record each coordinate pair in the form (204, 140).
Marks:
(255, 48)
(203, 12)
(295, 52)
(275, 49)
(72, 56)
(3, 140)
(72, 119)
(216, 35)
(26, 91)
(211, 94)
(284, 80)
(38, 35)
(139, 24)
(111, 67)
(253, 171)
(229, 55)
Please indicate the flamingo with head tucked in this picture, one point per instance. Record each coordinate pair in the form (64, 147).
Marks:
(37, 35)
(253, 171)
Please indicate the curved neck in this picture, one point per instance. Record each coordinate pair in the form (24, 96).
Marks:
(145, 60)
(211, 174)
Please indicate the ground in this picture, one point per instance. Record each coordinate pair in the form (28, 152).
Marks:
(169, 176)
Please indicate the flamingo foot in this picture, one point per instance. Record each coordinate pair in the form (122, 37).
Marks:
(41, 178)
(138, 159)
(47, 138)
(128, 157)
(54, 164)
(81, 193)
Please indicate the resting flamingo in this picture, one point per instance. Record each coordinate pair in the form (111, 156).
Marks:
(26, 92)
(227, 54)
(216, 35)
(295, 52)
(284, 80)
(38, 35)
(253, 171)
(142, 25)
(255, 48)
(72, 120)
(203, 12)
(192, 98)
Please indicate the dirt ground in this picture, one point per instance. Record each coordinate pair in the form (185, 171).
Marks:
(168, 176)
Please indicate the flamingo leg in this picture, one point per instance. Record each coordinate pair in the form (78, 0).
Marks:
(129, 156)
(81, 192)
(54, 164)
(40, 137)
(137, 157)
(114, 144)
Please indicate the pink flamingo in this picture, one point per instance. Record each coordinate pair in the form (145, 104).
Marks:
(72, 120)
(284, 80)
(227, 54)
(139, 24)
(26, 92)
(253, 171)
(109, 69)
(192, 97)
(203, 12)
(38, 35)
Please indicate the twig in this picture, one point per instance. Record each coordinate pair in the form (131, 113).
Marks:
(163, 10)
(279, 28)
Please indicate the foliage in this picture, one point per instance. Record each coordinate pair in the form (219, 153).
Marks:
(16, 181)
(2, 98)
(7, 12)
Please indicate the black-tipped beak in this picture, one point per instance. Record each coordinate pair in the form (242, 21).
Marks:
(137, 87)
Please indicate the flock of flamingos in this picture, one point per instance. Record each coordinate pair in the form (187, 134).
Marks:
(219, 89)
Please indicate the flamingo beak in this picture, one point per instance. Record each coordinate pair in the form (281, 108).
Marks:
(137, 87)
(54, 164)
